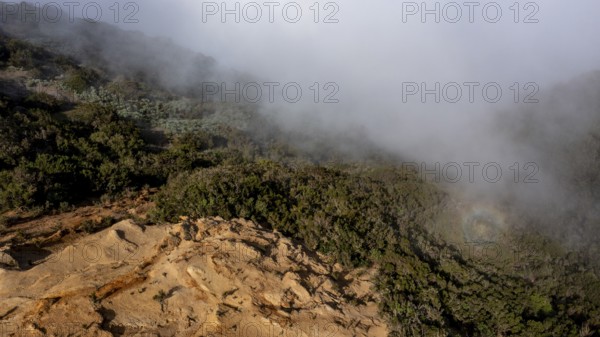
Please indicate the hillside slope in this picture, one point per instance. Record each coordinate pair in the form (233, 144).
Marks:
(191, 279)
(75, 132)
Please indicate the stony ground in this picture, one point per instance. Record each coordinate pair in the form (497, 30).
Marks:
(204, 278)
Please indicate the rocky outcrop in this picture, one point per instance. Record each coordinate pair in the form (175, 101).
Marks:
(200, 278)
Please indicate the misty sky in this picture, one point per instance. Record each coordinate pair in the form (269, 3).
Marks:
(371, 51)
(371, 38)
(377, 46)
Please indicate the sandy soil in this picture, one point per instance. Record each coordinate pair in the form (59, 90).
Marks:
(205, 278)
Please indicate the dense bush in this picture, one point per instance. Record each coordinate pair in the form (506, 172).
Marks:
(48, 159)
(80, 79)
(347, 215)
(21, 54)
(4, 52)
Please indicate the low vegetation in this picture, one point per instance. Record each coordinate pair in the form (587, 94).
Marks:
(377, 217)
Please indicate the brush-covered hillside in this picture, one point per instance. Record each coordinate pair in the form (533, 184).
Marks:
(113, 151)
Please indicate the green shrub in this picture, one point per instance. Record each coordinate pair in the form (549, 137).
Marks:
(24, 55)
(91, 226)
(49, 159)
(80, 79)
(21, 58)
(88, 226)
(347, 215)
